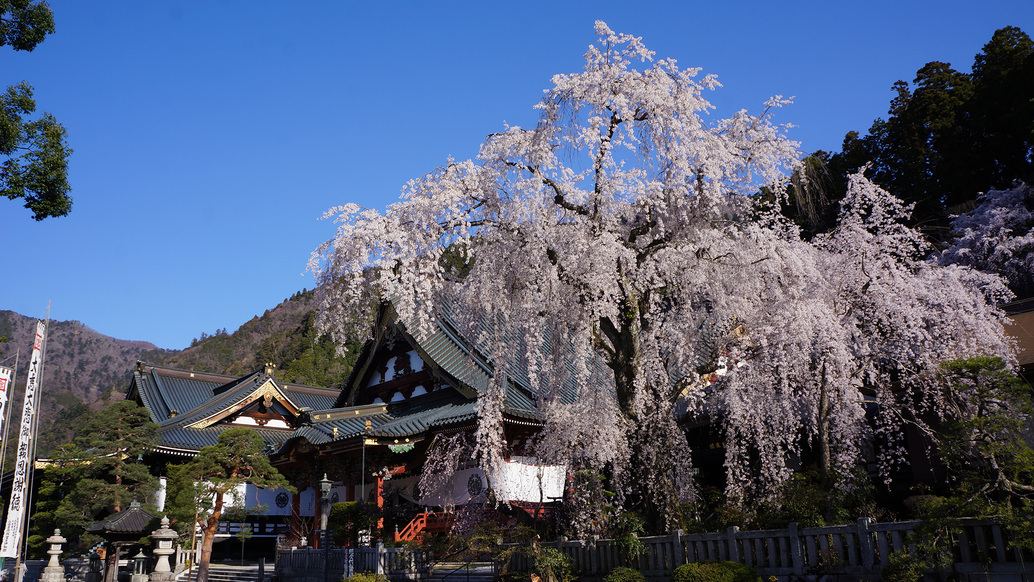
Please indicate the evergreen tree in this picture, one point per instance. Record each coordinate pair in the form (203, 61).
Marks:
(951, 135)
(99, 473)
(982, 440)
(215, 472)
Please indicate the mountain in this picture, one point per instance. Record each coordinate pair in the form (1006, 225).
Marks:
(85, 370)
(285, 336)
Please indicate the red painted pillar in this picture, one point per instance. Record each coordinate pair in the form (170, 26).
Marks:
(380, 501)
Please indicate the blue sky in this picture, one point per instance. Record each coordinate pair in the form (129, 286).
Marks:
(210, 137)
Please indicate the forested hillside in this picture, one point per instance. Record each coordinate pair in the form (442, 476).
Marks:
(85, 370)
(948, 135)
(284, 336)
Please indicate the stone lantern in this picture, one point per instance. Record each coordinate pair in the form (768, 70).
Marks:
(163, 538)
(139, 567)
(54, 572)
(94, 571)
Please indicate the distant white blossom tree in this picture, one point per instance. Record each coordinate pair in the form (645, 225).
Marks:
(998, 237)
(861, 317)
(620, 241)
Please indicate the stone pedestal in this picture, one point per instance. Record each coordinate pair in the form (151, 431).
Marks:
(163, 538)
(54, 572)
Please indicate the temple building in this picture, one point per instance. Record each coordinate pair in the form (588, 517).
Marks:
(370, 437)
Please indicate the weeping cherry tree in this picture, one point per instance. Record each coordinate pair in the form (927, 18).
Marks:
(620, 240)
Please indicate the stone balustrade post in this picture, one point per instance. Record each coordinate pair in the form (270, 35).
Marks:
(734, 547)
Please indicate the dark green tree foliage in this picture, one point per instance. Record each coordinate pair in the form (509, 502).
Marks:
(54, 501)
(216, 471)
(999, 129)
(24, 23)
(99, 473)
(813, 195)
(949, 135)
(348, 518)
(33, 152)
(182, 493)
(115, 439)
(912, 151)
(983, 445)
(308, 357)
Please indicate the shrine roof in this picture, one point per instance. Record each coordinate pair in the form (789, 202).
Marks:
(133, 520)
(189, 406)
(188, 441)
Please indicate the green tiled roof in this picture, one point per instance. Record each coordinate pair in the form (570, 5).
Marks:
(132, 520)
(405, 419)
(189, 440)
(178, 398)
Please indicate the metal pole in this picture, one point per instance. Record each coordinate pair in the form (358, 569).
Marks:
(19, 566)
(193, 543)
(326, 538)
(7, 421)
(7, 413)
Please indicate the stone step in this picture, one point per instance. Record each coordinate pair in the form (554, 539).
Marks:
(463, 572)
(220, 573)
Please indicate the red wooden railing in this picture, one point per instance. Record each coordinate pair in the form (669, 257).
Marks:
(427, 521)
(413, 529)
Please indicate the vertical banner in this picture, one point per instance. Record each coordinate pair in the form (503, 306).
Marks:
(6, 384)
(11, 545)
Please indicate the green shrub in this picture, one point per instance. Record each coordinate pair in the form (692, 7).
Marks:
(622, 574)
(628, 527)
(902, 568)
(715, 572)
(348, 518)
(552, 565)
(365, 577)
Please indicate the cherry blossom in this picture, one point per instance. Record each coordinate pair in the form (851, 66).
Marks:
(613, 257)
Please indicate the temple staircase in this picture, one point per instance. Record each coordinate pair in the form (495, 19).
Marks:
(427, 521)
(463, 572)
(223, 573)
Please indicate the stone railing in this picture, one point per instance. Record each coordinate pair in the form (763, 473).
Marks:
(859, 550)
(182, 557)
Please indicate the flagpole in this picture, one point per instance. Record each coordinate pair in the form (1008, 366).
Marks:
(7, 425)
(35, 433)
(13, 544)
(7, 416)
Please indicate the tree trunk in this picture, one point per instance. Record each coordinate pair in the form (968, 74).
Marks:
(652, 488)
(211, 525)
(626, 354)
(825, 449)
